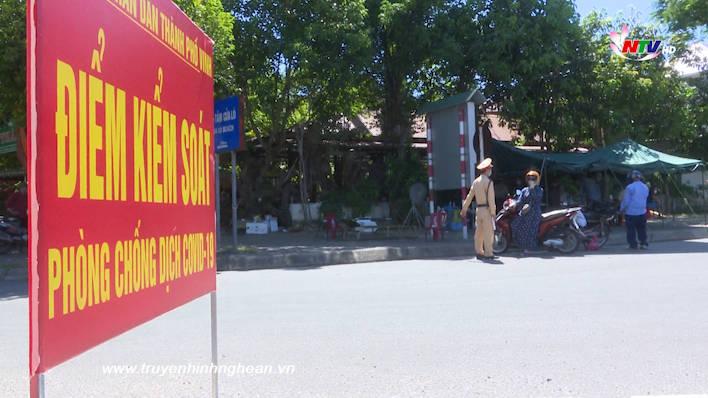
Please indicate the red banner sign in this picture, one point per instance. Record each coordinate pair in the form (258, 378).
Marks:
(120, 130)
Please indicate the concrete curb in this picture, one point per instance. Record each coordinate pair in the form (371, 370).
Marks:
(247, 262)
(238, 262)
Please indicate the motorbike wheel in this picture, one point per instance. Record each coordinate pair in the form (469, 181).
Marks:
(600, 233)
(501, 243)
(570, 242)
(604, 234)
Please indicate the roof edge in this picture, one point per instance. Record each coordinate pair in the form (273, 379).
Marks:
(473, 95)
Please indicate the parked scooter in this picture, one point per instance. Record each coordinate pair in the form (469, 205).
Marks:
(558, 230)
(13, 235)
(599, 217)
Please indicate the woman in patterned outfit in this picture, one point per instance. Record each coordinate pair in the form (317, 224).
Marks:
(525, 227)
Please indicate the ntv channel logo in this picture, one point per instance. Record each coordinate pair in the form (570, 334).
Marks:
(637, 49)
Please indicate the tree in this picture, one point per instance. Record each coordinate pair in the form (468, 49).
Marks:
(401, 40)
(645, 101)
(12, 77)
(526, 55)
(683, 14)
(454, 60)
(698, 147)
(556, 79)
(299, 65)
(208, 14)
(12, 61)
(211, 17)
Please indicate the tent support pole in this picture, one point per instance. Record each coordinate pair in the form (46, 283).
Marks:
(669, 200)
(685, 198)
(703, 193)
(545, 182)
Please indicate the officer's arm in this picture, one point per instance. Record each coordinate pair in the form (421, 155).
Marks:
(468, 199)
(490, 199)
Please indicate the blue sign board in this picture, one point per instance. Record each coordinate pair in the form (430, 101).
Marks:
(227, 126)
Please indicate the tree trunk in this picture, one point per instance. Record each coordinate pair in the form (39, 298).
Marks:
(21, 138)
(303, 174)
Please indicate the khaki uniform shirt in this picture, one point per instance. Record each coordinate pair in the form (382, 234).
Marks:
(479, 190)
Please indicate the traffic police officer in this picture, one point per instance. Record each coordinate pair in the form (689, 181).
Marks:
(483, 190)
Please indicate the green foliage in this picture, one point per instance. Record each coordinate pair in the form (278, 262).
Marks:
(362, 196)
(299, 65)
(12, 61)
(358, 198)
(645, 101)
(333, 202)
(698, 106)
(534, 70)
(401, 41)
(218, 24)
(556, 78)
(9, 161)
(303, 65)
(683, 14)
(208, 14)
(401, 173)
(298, 62)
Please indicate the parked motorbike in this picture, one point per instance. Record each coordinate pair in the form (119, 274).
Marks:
(599, 217)
(13, 235)
(558, 230)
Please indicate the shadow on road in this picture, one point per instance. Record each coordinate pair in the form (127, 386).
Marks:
(670, 247)
(11, 290)
(674, 247)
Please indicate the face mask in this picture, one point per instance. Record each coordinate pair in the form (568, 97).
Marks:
(488, 173)
(532, 184)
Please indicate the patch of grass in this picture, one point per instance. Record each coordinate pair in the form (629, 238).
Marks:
(241, 249)
(7, 267)
(246, 249)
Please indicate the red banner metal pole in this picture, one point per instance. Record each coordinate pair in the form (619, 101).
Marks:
(463, 164)
(214, 349)
(37, 386)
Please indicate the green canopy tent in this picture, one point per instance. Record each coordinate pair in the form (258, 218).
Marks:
(510, 160)
(628, 155)
(622, 156)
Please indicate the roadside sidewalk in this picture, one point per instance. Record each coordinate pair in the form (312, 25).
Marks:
(304, 250)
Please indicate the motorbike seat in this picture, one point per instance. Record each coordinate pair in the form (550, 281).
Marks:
(553, 214)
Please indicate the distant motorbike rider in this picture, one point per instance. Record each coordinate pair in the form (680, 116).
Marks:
(525, 226)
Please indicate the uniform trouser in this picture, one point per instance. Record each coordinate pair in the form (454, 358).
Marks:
(636, 225)
(484, 232)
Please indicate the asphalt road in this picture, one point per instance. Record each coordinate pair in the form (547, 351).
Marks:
(611, 324)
